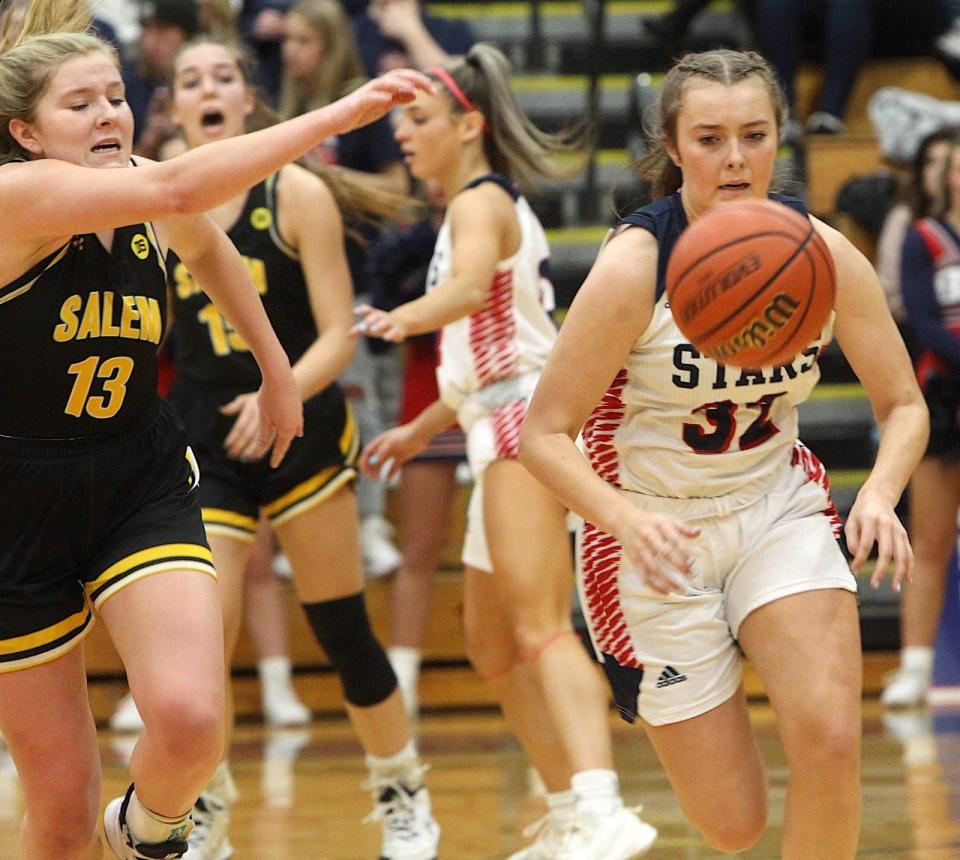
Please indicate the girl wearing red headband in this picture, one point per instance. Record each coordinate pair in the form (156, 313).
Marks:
(488, 289)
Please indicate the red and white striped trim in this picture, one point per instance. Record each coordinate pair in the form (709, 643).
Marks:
(507, 420)
(816, 472)
(600, 555)
(493, 330)
(601, 428)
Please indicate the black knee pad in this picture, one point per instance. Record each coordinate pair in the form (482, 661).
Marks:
(343, 630)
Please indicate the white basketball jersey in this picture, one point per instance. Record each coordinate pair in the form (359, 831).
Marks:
(513, 332)
(675, 423)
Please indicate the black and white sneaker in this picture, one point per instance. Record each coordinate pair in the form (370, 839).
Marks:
(410, 831)
(124, 846)
(211, 818)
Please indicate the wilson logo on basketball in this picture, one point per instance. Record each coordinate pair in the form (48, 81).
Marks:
(751, 283)
(717, 286)
(759, 332)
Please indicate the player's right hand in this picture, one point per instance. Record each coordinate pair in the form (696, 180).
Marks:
(382, 458)
(378, 96)
(659, 547)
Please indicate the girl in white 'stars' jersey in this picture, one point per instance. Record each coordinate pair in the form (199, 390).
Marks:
(488, 289)
(100, 512)
(710, 528)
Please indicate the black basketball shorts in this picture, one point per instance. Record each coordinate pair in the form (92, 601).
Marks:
(84, 518)
(233, 493)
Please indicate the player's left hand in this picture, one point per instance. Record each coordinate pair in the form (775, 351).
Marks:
(374, 322)
(872, 520)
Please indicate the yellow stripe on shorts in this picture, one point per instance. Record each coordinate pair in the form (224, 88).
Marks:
(311, 492)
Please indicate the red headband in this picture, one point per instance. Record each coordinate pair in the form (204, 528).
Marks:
(462, 98)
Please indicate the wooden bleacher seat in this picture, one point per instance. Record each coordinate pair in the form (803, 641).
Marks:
(831, 160)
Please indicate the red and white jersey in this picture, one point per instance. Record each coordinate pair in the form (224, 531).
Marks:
(675, 423)
(513, 332)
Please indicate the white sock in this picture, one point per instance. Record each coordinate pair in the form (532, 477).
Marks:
(597, 792)
(274, 671)
(401, 765)
(222, 785)
(917, 658)
(562, 805)
(406, 662)
(149, 827)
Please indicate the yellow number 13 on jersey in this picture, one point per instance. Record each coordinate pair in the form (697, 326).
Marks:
(115, 373)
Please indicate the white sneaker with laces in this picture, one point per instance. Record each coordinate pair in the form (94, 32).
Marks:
(906, 688)
(410, 831)
(122, 844)
(619, 836)
(549, 834)
(126, 717)
(380, 556)
(211, 818)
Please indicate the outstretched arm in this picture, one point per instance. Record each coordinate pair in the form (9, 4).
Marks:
(55, 199)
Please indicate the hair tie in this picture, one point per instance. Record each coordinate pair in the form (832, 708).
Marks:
(462, 98)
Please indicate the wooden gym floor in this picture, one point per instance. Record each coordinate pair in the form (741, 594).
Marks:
(301, 796)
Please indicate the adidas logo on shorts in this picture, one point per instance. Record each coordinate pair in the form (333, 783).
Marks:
(670, 676)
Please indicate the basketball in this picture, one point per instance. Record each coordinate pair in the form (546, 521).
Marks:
(751, 283)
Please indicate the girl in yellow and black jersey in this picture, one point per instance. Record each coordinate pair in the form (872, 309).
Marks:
(100, 510)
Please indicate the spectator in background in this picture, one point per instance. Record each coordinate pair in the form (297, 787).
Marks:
(219, 19)
(262, 28)
(929, 273)
(848, 31)
(320, 64)
(123, 16)
(393, 34)
(918, 195)
(165, 25)
(672, 26)
(847, 36)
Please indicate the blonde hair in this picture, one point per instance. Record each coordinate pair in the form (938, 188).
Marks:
(721, 66)
(513, 145)
(218, 18)
(341, 69)
(363, 202)
(31, 50)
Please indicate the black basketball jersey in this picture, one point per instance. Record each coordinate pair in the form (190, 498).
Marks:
(206, 349)
(666, 219)
(80, 332)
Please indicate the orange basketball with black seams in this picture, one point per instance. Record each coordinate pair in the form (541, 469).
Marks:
(751, 283)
